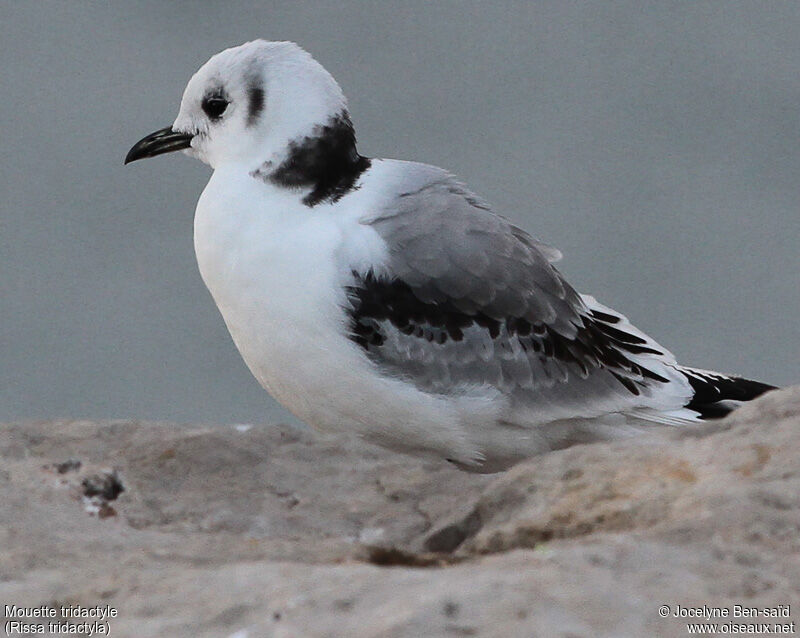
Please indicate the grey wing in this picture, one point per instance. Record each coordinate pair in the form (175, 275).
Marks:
(467, 300)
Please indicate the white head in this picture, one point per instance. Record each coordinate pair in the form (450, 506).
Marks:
(247, 104)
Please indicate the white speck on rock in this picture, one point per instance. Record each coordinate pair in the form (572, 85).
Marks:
(371, 535)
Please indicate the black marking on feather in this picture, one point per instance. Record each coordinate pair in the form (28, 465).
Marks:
(629, 385)
(327, 162)
(710, 389)
(374, 301)
(604, 316)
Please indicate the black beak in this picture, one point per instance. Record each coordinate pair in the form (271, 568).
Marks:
(164, 141)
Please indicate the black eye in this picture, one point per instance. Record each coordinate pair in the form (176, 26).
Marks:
(214, 106)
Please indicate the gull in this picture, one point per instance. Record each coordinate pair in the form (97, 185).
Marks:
(384, 298)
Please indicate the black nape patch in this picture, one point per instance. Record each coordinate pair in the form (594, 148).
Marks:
(327, 161)
(255, 103)
(596, 345)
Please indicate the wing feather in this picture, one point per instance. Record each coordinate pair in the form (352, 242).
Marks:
(467, 300)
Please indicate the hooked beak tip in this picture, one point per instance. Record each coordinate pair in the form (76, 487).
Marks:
(162, 141)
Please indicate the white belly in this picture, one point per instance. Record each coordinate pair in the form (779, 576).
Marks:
(272, 274)
(278, 272)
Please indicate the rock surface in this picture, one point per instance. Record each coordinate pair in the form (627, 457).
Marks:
(249, 531)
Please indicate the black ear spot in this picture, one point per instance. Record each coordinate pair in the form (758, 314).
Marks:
(256, 103)
(214, 106)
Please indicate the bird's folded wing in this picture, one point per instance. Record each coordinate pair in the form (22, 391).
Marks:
(469, 301)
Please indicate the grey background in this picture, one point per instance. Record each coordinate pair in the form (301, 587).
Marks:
(656, 144)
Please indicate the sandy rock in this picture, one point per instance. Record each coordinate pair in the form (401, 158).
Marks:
(247, 531)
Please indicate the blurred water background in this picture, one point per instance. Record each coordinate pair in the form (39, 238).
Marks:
(654, 143)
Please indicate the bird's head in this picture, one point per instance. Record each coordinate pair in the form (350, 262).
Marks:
(246, 104)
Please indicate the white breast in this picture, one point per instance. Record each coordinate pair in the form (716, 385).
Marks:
(277, 270)
(270, 265)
